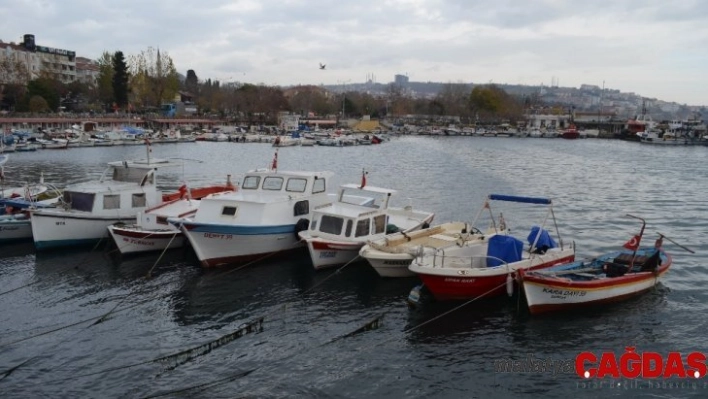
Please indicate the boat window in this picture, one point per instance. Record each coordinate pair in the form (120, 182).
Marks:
(320, 185)
(273, 183)
(139, 200)
(79, 201)
(379, 224)
(251, 182)
(229, 211)
(348, 230)
(362, 228)
(302, 208)
(331, 224)
(126, 174)
(111, 201)
(296, 185)
(161, 220)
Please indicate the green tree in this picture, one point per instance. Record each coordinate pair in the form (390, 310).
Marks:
(191, 83)
(45, 88)
(105, 79)
(154, 78)
(13, 79)
(38, 104)
(492, 104)
(120, 79)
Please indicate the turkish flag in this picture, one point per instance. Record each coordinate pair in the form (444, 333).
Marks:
(633, 243)
(363, 179)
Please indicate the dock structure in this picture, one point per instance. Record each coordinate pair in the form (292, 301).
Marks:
(108, 122)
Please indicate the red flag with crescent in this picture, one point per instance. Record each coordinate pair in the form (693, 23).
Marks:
(363, 179)
(274, 166)
(633, 243)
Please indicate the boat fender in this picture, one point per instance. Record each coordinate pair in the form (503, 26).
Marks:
(509, 285)
(301, 225)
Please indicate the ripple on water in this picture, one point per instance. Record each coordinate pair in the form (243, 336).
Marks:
(305, 349)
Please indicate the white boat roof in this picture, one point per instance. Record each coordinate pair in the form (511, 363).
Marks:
(373, 189)
(255, 196)
(145, 163)
(95, 186)
(347, 210)
(297, 173)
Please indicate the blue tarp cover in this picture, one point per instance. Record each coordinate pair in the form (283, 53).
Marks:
(503, 249)
(545, 240)
(514, 198)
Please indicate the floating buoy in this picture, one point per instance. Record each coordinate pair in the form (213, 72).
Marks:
(509, 285)
(414, 296)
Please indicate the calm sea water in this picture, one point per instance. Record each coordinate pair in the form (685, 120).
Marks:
(53, 345)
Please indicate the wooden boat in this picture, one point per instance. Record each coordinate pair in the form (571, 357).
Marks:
(611, 277)
(488, 267)
(391, 255)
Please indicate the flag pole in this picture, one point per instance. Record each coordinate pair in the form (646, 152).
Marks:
(641, 233)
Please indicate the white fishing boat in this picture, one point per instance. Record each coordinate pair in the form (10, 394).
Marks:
(262, 218)
(87, 209)
(340, 229)
(488, 268)
(152, 232)
(391, 255)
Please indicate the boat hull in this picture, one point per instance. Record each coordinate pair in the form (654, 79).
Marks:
(326, 253)
(545, 297)
(131, 239)
(390, 265)
(464, 284)
(13, 229)
(54, 230)
(218, 245)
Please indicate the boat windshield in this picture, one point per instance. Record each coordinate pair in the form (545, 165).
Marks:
(130, 175)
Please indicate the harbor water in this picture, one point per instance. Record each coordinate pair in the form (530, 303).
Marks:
(84, 322)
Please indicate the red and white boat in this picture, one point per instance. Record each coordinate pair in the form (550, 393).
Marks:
(152, 232)
(489, 267)
(611, 277)
(361, 213)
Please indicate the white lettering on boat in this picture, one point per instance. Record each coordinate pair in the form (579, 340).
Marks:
(219, 236)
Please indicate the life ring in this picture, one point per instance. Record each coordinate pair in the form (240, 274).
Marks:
(301, 225)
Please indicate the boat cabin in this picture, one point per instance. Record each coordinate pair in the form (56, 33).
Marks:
(267, 196)
(131, 188)
(358, 213)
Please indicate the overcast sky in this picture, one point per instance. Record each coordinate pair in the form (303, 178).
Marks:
(653, 48)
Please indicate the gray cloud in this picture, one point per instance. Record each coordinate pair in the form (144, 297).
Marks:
(653, 48)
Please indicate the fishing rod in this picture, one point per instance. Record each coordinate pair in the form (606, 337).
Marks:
(675, 243)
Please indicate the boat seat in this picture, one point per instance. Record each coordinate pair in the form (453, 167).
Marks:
(641, 263)
(444, 237)
(590, 275)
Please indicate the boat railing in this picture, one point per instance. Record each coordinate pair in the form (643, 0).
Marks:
(475, 262)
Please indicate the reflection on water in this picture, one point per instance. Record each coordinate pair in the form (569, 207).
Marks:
(151, 309)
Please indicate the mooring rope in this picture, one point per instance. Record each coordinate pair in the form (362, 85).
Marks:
(149, 273)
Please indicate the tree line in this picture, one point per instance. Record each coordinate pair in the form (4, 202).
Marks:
(141, 83)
